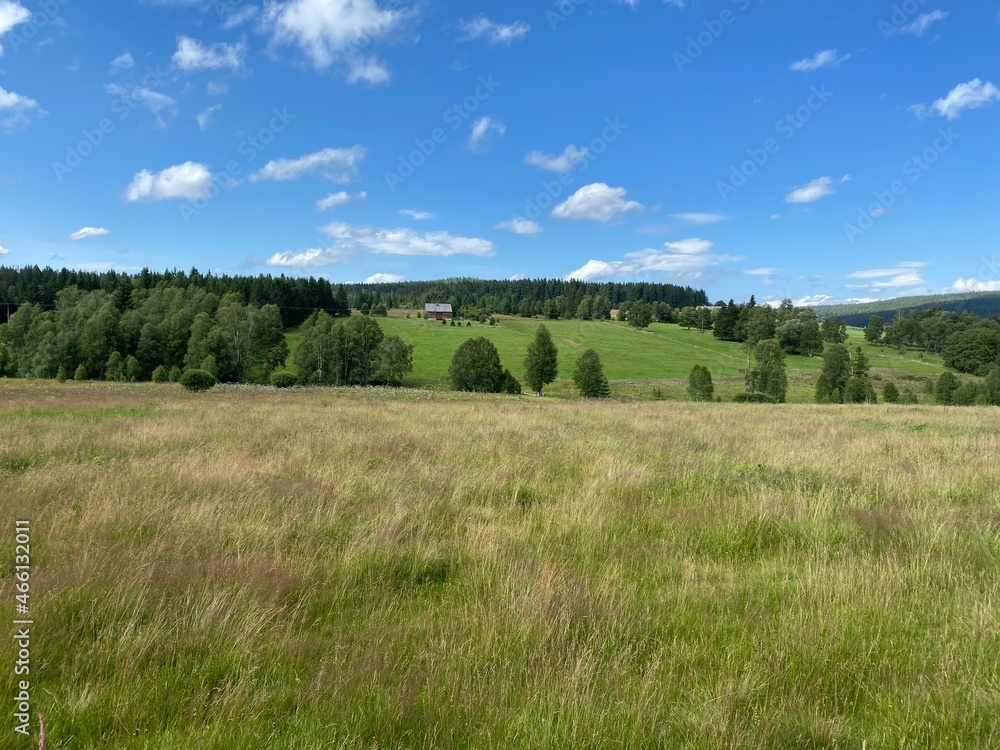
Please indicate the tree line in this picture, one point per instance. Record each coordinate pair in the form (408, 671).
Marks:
(297, 298)
(968, 343)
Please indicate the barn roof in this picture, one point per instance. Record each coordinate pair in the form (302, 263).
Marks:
(437, 308)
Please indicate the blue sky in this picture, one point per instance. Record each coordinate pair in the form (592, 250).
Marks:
(822, 150)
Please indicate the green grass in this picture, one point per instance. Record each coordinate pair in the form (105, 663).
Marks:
(639, 364)
(378, 568)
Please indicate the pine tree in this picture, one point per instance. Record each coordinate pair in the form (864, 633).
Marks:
(836, 373)
(541, 365)
(589, 376)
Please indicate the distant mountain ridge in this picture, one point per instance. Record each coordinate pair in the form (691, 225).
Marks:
(983, 304)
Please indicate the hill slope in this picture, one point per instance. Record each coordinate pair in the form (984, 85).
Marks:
(982, 304)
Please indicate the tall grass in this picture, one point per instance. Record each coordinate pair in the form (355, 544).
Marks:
(374, 569)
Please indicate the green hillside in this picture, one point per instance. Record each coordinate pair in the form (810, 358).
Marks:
(982, 304)
(642, 364)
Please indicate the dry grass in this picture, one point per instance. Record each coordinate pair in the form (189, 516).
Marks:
(369, 569)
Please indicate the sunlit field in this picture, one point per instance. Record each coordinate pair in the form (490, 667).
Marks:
(333, 568)
(651, 365)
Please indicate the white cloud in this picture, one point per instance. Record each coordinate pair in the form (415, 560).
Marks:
(564, 162)
(189, 180)
(334, 164)
(239, 16)
(975, 285)
(384, 278)
(123, 61)
(700, 218)
(816, 190)
(417, 215)
(82, 234)
(920, 26)
(482, 128)
(971, 95)
(11, 14)
(338, 199)
(312, 258)
(205, 117)
(596, 202)
(687, 259)
(332, 31)
(822, 59)
(370, 70)
(215, 89)
(17, 110)
(904, 274)
(402, 241)
(760, 271)
(193, 55)
(519, 225)
(3, 250)
(494, 33)
(877, 273)
(154, 101)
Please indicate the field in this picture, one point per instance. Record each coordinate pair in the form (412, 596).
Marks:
(252, 568)
(640, 364)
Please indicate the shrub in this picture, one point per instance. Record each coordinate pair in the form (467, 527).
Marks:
(754, 398)
(452, 323)
(61, 375)
(908, 397)
(476, 367)
(966, 394)
(510, 384)
(175, 374)
(198, 380)
(283, 379)
(700, 386)
(80, 374)
(890, 393)
(161, 375)
(133, 370)
(114, 368)
(468, 324)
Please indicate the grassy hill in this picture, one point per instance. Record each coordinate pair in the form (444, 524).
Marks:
(373, 568)
(639, 364)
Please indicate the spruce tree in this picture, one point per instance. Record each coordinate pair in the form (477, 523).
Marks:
(589, 376)
(541, 365)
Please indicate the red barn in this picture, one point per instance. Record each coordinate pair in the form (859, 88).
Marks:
(438, 312)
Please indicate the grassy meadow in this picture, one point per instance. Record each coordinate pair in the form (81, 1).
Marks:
(651, 365)
(253, 568)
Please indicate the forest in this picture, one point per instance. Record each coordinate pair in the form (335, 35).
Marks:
(297, 298)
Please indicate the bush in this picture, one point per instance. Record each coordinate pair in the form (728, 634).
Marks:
(967, 394)
(510, 384)
(198, 380)
(476, 367)
(133, 370)
(161, 375)
(908, 397)
(754, 398)
(890, 393)
(283, 379)
(61, 375)
(700, 386)
(468, 324)
(80, 374)
(175, 374)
